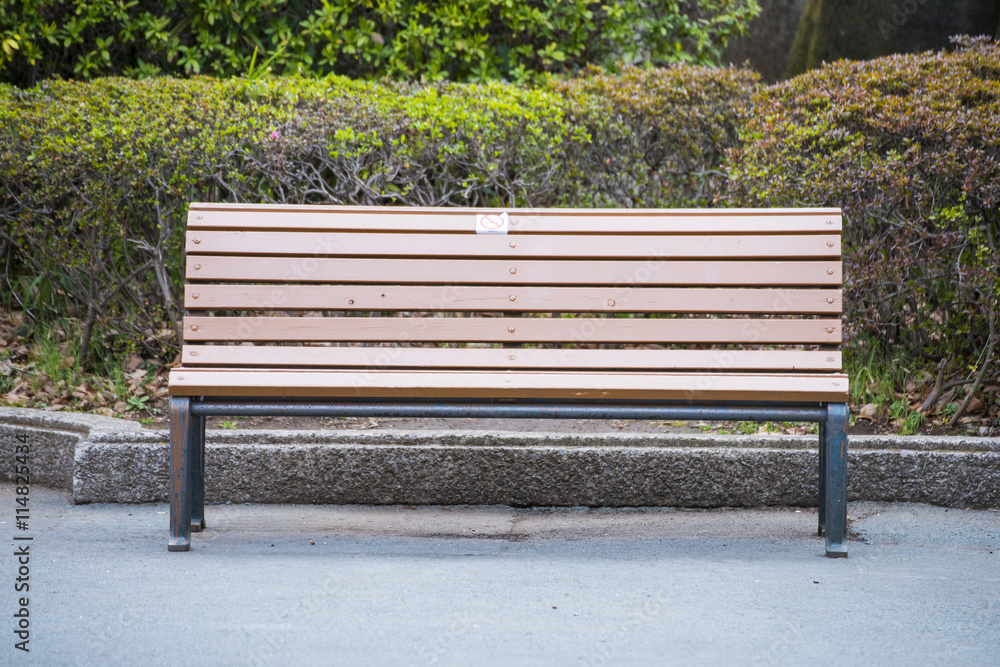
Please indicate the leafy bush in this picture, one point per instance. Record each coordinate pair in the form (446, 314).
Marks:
(658, 136)
(909, 147)
(466, 40)
(95, 178)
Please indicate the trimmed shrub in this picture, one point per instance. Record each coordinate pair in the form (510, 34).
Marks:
(909, 147)
(465, 40)
(658, 136)
(95, 178)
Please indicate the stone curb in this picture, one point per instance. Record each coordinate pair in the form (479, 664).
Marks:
(111, 460)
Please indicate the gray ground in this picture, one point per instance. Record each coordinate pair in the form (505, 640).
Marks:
(358, 585)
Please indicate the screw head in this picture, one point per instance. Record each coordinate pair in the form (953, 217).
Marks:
(829, 272)
(511, 357)
(197, 217)
(829, 329)
(829, 244)
(836, 384)
(829, 358)
(194, 327)
(830, 300)
(195, 295)
(510, 329)
(197, 267)
(513, 298)
(513, 271)
(350, 302)
(180, 377)
(194, 353)
(513, 245)
(197, 241)
(611, 302)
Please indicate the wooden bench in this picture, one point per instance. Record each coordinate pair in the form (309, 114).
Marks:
(635, 314)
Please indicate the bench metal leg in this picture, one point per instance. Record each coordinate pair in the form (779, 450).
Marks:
(822, 478)
(835, 480)
(184, 434)
(198, 477)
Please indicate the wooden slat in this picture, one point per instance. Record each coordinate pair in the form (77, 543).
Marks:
(515, 330)
(532, 221)
(462, 271)
(389, 357)
(507, 385)
(801, 246)
(525, 299)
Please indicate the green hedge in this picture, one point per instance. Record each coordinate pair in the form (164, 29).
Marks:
(465, 40)
(909, 147)
(96, 176)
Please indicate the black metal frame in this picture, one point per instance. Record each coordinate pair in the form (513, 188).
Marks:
(187, 440)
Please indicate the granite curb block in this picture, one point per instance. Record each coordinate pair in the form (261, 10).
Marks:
(111, 460)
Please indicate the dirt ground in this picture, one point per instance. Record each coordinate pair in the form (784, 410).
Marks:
(582, 426)
(458, 424)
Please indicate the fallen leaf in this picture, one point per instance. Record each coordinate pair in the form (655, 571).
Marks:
(868, 411)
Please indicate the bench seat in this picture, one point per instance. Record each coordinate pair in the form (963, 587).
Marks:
(500, 385)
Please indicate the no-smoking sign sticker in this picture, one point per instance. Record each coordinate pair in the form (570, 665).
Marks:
(491, 223)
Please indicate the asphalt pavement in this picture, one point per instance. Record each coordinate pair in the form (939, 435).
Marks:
(461, 585)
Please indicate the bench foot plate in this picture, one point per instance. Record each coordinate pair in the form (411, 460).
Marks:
(179, 544)
(836, 551)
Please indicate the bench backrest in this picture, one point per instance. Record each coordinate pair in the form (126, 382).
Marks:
(715, 291)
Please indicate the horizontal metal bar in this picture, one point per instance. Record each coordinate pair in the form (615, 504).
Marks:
(508, 410)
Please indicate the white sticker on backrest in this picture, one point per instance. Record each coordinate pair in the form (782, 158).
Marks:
(491, 223)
